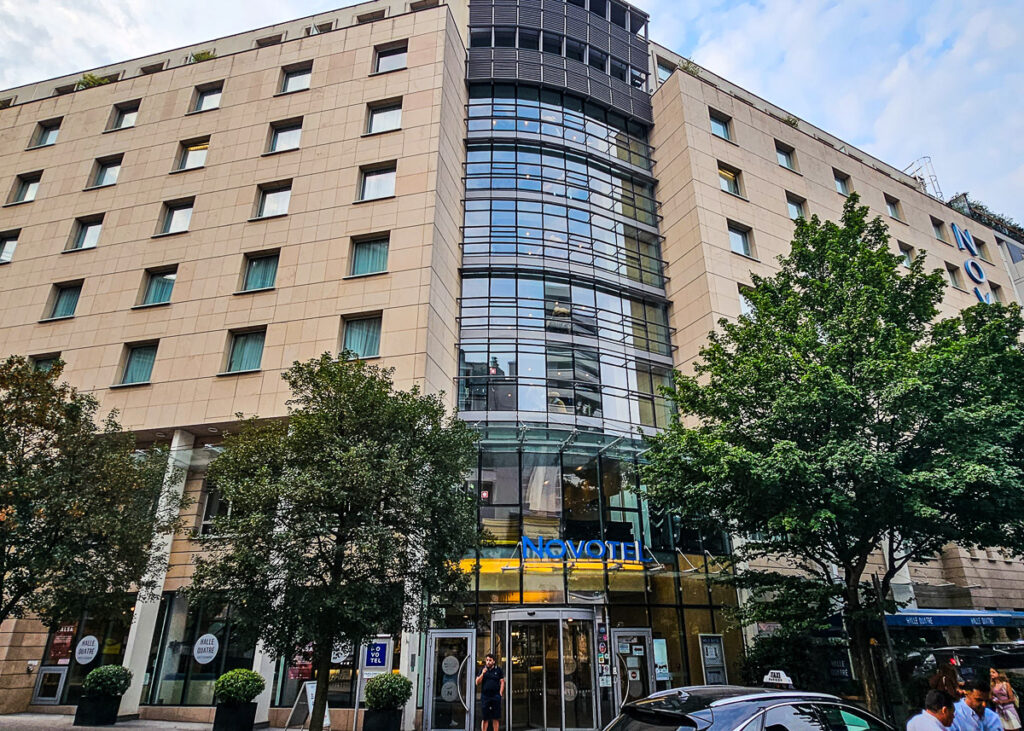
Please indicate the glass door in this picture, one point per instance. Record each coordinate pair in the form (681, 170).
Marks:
(448, 691)
(49, 686)
(634, 664)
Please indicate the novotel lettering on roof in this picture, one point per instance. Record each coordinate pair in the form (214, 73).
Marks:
(964, 241)
(596, 550)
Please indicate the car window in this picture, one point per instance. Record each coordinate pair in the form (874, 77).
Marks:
(800, 717)
(846, 718)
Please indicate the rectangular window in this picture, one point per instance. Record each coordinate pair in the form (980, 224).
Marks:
(384, 117)
(320, 28)
(273, 200)
(106, 171)
(138, 363)
(152, 68)
(552, 43)
(192, 154)
(285, 135)
(260, 271)
(939, 229)
(296, 78)
(370, 256)
(370, 17)
(842, 182)
(906, 253)
(207, 97)
(362, 337)
(618, 69)
(892, 206)
(480, 38)
(729, 179)
(246, 351)
(597, 59)
(504, 37)
(721, 125)
(795, 206)
(65, 300)
(953, 273)
(159, 285)
(575, 50)
(982, 248)
(177, 217)
(8, 243)
(664, 71)
(46, 133)
(997, 292)
(216, 507)
(26, 186)
(45, 363)
(269, 40)
(745, 307)
(124, 115)
(739, 239)
(785, 155)
(390, 59)
(529, 39)
(377, 183)
(86, 233)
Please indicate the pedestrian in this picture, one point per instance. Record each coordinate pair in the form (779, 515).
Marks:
(491, 682)
(1004, 700)
(972, 713)
(939, 709)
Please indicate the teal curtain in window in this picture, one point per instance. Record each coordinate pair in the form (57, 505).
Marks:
(140, 364)
(159, 289)
(67, 301)
(260, 272)
(362, 337)
(370, 257)
(246, 352)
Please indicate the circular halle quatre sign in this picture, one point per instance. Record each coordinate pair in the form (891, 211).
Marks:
(205, 649)
(87, 649)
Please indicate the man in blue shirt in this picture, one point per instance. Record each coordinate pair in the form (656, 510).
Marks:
(972, 713)
(937, 714)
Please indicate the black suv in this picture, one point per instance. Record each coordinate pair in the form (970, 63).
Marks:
(732, 708)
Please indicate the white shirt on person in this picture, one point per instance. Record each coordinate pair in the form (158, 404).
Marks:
(925, 721)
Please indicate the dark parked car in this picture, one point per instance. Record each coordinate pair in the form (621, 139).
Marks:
(733, 708)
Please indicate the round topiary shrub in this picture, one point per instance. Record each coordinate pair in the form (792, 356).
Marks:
(387, 692)
(238, 686)
(109, 680)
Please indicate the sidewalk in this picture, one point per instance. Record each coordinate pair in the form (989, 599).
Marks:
(47, 720)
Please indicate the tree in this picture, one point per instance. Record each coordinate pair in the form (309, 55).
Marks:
(344, 515)
(79, 505)
(840, 423)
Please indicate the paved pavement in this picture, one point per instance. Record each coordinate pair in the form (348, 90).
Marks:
(48, 720)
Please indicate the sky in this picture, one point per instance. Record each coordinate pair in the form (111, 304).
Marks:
(899, 79)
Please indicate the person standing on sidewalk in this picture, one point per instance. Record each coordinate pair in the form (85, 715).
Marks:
(972, 713)
(939, 709)
(1004, 701)
(491, 682)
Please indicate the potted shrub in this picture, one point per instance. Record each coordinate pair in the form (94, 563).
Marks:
(234, 691)
(386, 696)
(101, 695)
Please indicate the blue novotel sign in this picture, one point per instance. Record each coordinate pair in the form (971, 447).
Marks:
(559, 550)
(965, 242)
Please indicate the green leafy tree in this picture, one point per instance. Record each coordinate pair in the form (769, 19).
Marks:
(80, 507)
(344, 514)
(840, 422)
(88, 81)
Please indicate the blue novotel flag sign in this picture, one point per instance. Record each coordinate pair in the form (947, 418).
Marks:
(597, 550)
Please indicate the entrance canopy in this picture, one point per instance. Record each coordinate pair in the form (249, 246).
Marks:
(954, 618)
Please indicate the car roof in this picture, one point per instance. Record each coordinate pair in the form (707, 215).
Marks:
(716, 695)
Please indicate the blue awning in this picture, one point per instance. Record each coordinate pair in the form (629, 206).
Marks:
(954, 618)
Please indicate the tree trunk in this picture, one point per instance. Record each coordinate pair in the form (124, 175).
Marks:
(860, 649)
(323, 676)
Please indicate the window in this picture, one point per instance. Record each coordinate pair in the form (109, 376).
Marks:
(8, 243)
(207, 97)
(216, 507)
(953, 273)
(480, 38)
(906, 253)
(618, 15)
(269, 40)
(552, 43)
(86, 233)
(729, 179)
(177, 217)
(138, 363)
(124, 115)
(320, 28)
(720, 125)
(362, 337)
(892, 206)
(529, 39)
(618, 69)
(745, 307)
(246, 351)
(26, 186)
(665, 70)
(46, 133)
(597, 59)
(390, 59)
(296, 78)
(285, 135)
(846, 718)
(45, 363)
(504, 37)
(795, 206)
(273, 199)
(575, 50)
(793, 718)
(423, 4)
(192, 154)
(997, 292)
(65, 300)
(260, 271)
(370, 17)
(369, 256)
(982, 248)
(159, 285)
(377, 183)
(152, 68)
(739, 239)
(842, 182)
(786, 155)
(106, 171)
(384, 117)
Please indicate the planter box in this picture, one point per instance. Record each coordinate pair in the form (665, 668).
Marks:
(100, 710)
(382, 720)
(234, 717)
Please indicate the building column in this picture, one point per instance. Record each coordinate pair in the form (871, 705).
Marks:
(407, 666)
(140, 635)
(263, 664)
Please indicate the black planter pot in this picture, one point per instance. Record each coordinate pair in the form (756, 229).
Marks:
(390, 720)
(234, 717)
(99, 710)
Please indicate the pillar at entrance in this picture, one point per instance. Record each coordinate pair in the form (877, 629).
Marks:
(140, 635)
(263, 664)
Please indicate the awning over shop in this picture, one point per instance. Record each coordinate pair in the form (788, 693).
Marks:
(954, 618)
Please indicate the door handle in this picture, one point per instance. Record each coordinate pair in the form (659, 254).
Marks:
(623, 674)
(458, 683)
